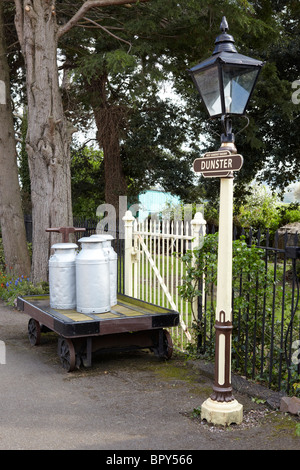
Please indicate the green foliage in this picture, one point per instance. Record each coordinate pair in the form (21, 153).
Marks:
(211, 213)
(296, 387)
(289, 213)
(196, 412)
(260, 210)
(119, 60)
(12, 286)
(247, 261)
(87, 180)
(263, 209)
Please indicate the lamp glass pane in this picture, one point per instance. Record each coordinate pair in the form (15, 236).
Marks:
(208, 85)
(238, 84)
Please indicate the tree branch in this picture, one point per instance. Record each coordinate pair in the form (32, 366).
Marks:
(107, 31)
(86, 7)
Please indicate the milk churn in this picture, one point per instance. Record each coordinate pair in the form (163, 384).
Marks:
(92, 277)
(113, 265)
(62, 284)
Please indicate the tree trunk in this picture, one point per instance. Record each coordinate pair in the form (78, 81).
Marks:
(108, 131)
(48, 136)
(11, 214)
(110, 122)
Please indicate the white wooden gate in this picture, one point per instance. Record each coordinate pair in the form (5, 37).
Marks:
(154, 268)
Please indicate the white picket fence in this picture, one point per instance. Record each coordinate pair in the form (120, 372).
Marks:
(154, 268)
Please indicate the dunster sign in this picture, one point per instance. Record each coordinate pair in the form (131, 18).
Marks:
(218, 164)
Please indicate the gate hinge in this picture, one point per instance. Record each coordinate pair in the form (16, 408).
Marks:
(134, 255)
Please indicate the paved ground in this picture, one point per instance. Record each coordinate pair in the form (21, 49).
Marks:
(124, 402)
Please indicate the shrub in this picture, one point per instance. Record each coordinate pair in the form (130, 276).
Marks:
(260, 210)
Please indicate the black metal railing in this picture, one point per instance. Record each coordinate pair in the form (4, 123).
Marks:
(265, 337)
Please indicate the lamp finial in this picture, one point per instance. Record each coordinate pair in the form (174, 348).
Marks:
(224, 42)
(224, 25)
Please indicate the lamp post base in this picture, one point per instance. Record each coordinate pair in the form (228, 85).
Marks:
(223, 413)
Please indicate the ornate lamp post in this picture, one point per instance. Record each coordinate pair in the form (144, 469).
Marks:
(225, 82)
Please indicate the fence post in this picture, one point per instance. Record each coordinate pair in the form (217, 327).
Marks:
(198, 230)
(128, 228)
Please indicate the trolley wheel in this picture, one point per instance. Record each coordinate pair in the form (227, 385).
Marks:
(67, 354)
(34, 332)
(167, 345)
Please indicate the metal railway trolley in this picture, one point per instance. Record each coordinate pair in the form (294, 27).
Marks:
(130, 324)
